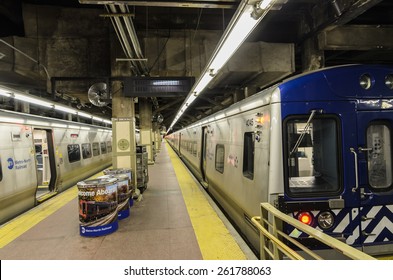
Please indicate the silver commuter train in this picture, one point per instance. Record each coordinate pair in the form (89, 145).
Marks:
(42, 156)
(317, 146)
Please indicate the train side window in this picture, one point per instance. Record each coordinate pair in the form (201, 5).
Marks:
(96, 149)
(248, 155)
(312, 153)
(220, 155)
(74, 153)
(109, 146)
(194, 149)
(379, 162)
(103, 147)
(86, 150)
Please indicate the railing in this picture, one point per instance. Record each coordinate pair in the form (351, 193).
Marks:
(277, 245)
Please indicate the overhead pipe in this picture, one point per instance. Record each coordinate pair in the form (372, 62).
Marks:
(336, 8)
(128, 39)
(134, 39)
(117, 25)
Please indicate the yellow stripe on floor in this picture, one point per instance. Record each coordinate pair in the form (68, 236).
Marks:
(214, 239)
(16, 227)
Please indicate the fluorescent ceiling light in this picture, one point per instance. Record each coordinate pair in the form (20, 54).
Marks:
(246, 18)
(33, 100)
(65, 109)
(5, 93)
(235, 38)
(38, 123)
(264, 3)
(59, 125)
(202, 83)
(74, 127)
(85, 115)
(11, 120)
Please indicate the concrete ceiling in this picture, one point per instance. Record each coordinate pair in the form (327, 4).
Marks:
(76, 42)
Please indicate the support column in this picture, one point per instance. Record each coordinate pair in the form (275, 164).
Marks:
(145, 121)
(123, 136)
(157, 137)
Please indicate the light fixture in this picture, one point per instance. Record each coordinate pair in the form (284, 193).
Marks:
(65, 109)
(33, 100)
(11, 120)
(245, 19)
(264, 4)
(85, 115)
(74, 126)
(325, 220)
(97, 119)
(7, 92)
(389, 81)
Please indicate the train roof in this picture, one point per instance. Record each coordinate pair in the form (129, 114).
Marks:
(353, 81)
(40, 121)
(332, 83)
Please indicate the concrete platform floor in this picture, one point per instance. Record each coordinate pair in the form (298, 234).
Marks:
(159, 227)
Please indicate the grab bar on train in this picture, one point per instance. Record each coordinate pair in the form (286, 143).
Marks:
(355, 156)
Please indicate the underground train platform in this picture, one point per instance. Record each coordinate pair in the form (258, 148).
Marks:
(174, 220)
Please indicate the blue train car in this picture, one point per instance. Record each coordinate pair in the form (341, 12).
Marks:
(337, 139)
(318, 146)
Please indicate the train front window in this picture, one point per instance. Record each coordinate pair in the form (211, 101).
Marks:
(380, 156)
(312, 155)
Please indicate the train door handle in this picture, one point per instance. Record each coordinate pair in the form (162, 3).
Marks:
(364, 194)
(361, 150)
(355, 155)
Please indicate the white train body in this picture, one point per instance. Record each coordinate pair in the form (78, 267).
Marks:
(235, 188)
(39, 154)
(317, 146)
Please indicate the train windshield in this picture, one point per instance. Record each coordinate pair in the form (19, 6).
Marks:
(312, 155)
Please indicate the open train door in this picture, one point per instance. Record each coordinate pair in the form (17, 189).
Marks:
(374, 185)
(45, 162)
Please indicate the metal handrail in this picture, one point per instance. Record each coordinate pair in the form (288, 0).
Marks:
(272, 238)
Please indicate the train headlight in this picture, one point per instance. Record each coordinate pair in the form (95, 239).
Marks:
(365, 81)
(325, 220)
(305, 218)
(389, 81)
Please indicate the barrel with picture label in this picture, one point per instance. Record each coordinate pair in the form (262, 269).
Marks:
(98, 204)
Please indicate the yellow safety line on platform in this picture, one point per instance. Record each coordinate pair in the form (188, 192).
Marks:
(16, 227)
(214, 239)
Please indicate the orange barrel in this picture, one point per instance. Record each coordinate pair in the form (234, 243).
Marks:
(128, 172)
(97, 207)
(123, 194)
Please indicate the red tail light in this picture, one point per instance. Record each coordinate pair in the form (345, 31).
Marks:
(305, 218)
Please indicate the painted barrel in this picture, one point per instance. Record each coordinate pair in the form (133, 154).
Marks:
(128, 172)
(97, 207)
(123, 194)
